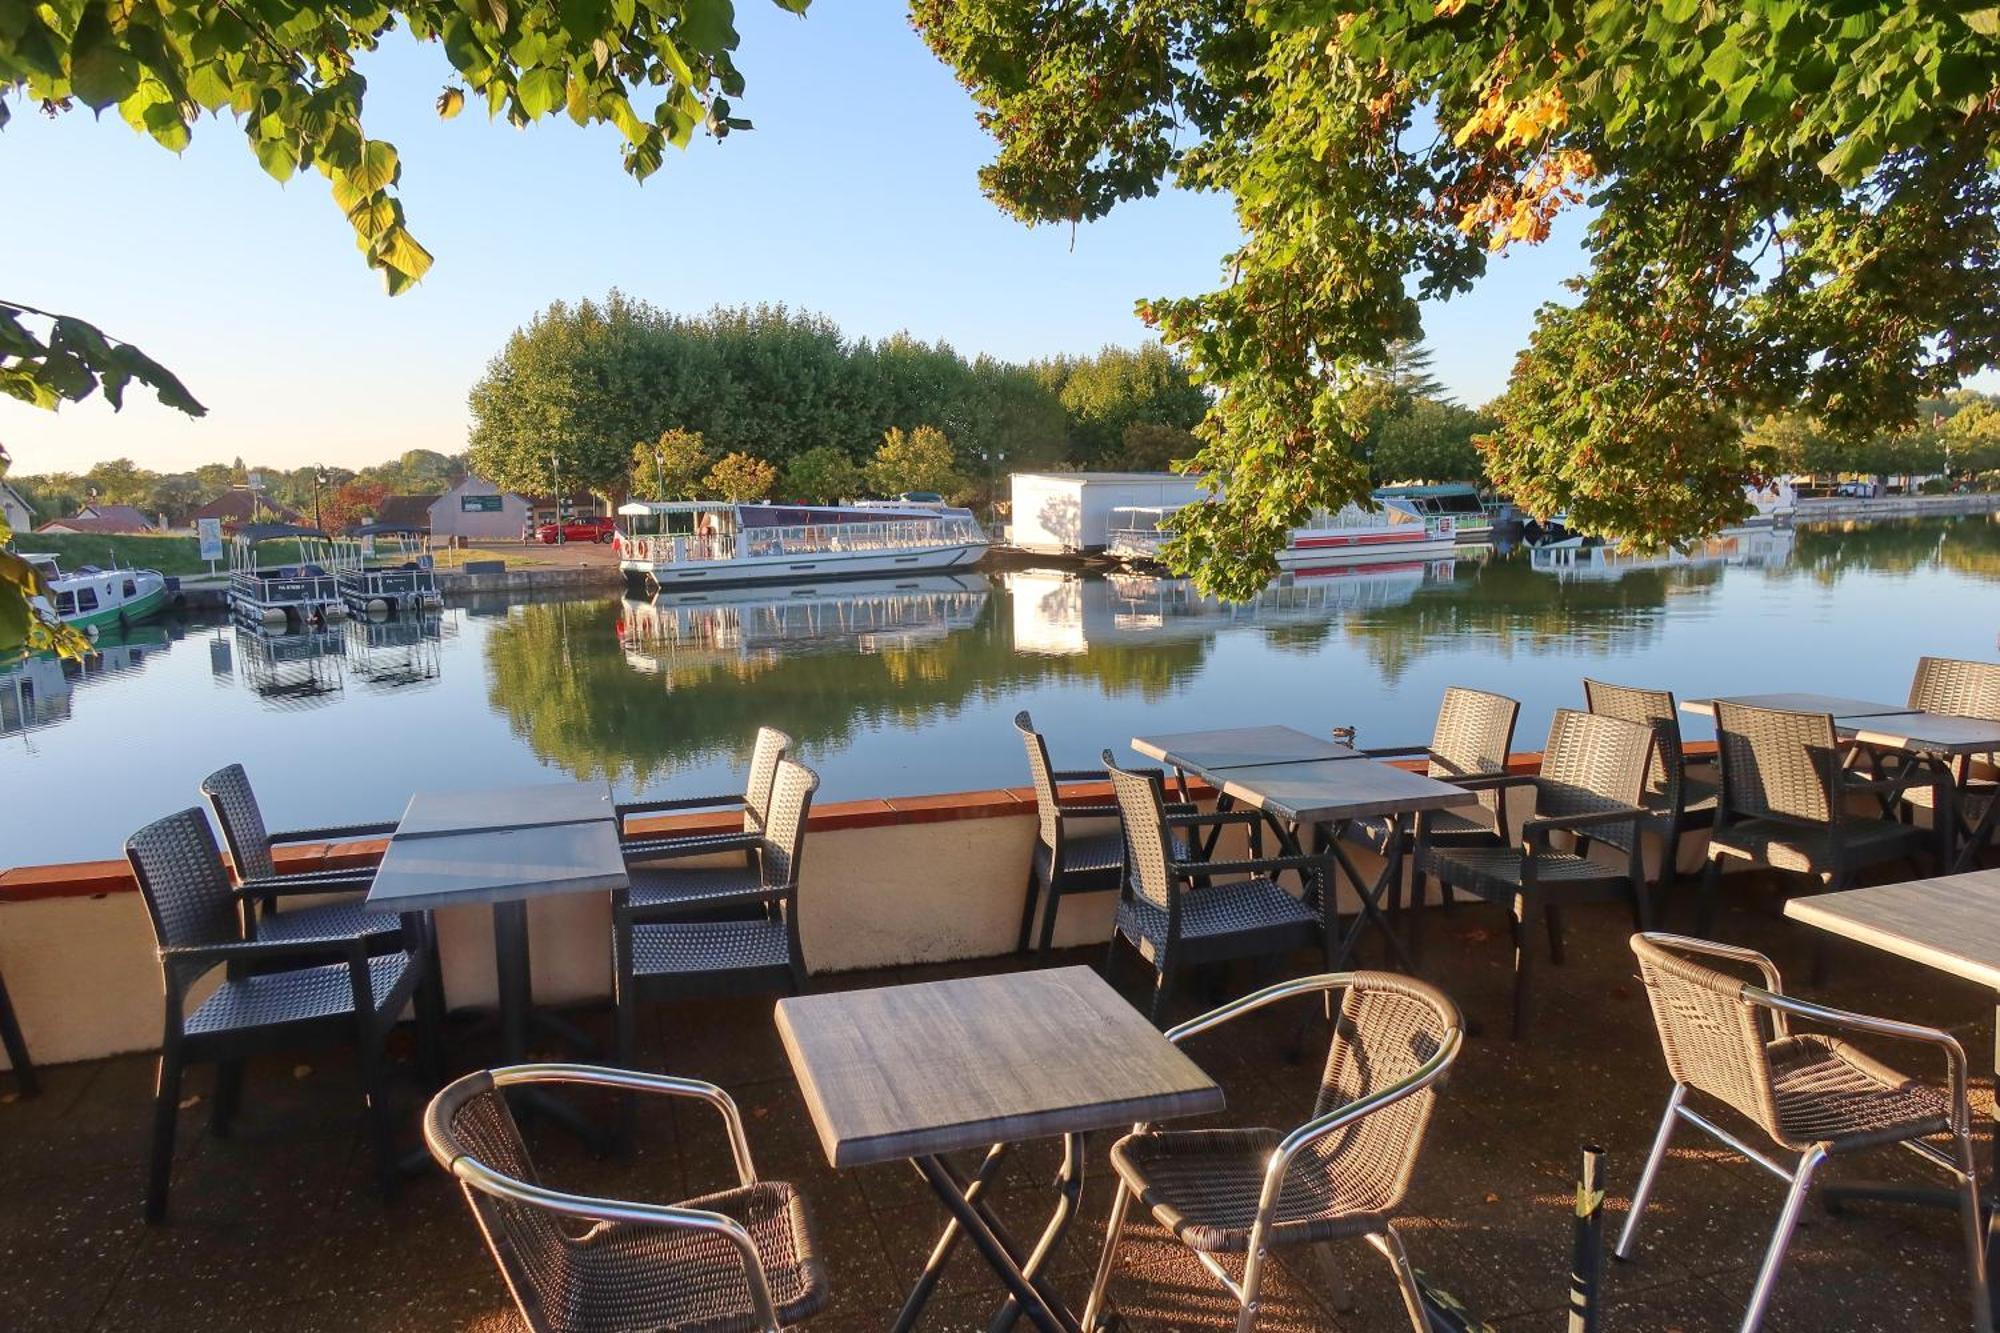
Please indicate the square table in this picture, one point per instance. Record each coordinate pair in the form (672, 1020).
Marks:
(453, 852)
(1334, 795)
(1946, 743)
(1950, 924)
(1205, 752)
(921, 1070)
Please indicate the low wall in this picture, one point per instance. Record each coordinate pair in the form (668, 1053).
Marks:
(918, 879)
(1836, 509)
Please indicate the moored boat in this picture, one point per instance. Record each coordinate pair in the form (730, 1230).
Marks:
(1349, 536)
(386, 569)
(299, 596)
(677, 544)
(1456, 502)
(91, 598)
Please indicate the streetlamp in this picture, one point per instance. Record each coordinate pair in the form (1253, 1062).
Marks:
(319, 480)
(555, 471)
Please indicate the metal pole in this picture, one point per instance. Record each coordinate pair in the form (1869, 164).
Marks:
(1587, 1254)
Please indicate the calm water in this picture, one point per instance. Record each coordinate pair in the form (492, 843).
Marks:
(906, 687)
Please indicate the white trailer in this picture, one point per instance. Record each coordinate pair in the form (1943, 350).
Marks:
(1068, 513)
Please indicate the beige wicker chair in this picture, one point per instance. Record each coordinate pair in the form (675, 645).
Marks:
(1964, 689)
(1814, 1095)
(739, 1260)
(1341, 1174)
(1472, 738)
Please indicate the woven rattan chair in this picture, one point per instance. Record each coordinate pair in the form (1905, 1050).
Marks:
(1814, 1095)
(1681, 803)
(329, 990)
(1174, 917)
(771, 746)
(756, 951)
(1343, 1173)
(735, 1261)
(1593, 770)
(1783, 804)
(1473, 737)
(1964, 689)
(1064, 860)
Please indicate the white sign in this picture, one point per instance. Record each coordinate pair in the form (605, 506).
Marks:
(210, 532)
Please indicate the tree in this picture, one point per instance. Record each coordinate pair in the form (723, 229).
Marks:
(1794, 208)
(355, 502)
(1150, 446)
(671, 467)
(120, 482)
(822, 475)
(1427, 440)
(740, 477)
(1118, 387)
(174, 495)
(918, 461)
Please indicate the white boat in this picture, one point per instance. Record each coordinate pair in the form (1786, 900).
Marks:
(91, 598)
(1350, 536)
(1471, 518)
(678, 544)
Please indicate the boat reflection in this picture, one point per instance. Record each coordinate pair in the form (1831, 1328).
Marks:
(292, 671)
(36, 690)
(1748, 548)
(390, 653)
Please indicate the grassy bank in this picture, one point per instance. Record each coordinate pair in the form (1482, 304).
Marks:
(168, 554)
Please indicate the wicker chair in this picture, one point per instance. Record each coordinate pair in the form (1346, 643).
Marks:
(738, 1260)
(1343, 1173)
(1783, 802)
(1965, 689)
(1814, 1095)
(329, 990)
(1473, 737)
(772, 745)
(259, 886)
(661, 951)
(1593, 771)
(1681, 803)
(1173, 917)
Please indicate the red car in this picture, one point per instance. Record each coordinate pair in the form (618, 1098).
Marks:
(580, 530)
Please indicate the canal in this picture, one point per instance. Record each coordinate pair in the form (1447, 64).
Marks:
(907, 687)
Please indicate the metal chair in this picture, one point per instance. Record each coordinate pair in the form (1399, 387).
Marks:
(1473, 737)
(771, 746)
(1171, 913)
(659, 951)
(1343, 1173)
(1593, 771)
(277, 994)
(1785, 787)
(1682, 804)
(1814, 1095)
(737, 1260)
(259, 886)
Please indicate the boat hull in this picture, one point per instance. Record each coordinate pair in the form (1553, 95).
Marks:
(143, 607)
(1318, 548)
(651, 575)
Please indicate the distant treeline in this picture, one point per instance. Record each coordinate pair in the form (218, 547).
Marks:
(178, 494)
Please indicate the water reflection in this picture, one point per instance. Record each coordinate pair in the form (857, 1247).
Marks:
(37, 691)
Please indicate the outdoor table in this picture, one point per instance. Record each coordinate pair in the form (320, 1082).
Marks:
(502, 848)
(1950, 924)
(1204, 752)
(1332, 795)
(923, 1070)
(1835, 704)
(1946, 743)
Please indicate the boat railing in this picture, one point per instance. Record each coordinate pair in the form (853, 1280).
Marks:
(805, 539)
(275, 586)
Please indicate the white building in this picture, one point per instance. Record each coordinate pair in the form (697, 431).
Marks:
(15, 510)
(1068, 513)
(478, 510)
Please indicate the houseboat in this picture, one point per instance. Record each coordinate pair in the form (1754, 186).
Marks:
(91, 598)
(1350, 536)
(302, 595)
(1458, 502)
(385, 569)
(673, 545)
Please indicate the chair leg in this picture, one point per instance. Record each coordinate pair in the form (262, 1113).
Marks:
(1114, 1231)
(1711, 894)
(1553, 921)
(431, 1009)
(1975, 1234)
(381, 1134)
(625, 1026)
(1391, 1247)
(166, 1110)
(228, 1096)
(1524, 961)
(25, 1081)
(1644, 1193)
(1781, 1238)
(1048, 938)
(1027, 934)
(1163, 985)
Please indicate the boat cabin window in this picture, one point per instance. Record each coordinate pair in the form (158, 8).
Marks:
(131, 589)
(70, 603)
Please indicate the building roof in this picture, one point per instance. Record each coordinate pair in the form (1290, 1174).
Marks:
(240, 504)
(101, 518)
(1112, 476)
(412, 511)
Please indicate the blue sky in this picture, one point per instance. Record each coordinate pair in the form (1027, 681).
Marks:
(856, 195)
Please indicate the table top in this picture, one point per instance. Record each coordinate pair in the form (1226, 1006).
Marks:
(911, 1071)
(430, 813)
(1239, 747)
(1838, 705)
(1951, 923)
(1934, 733)
(1348, 789)
(497, 865)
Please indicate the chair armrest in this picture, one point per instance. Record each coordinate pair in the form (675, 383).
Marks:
(1320, 1126)
(632, 1080)
(1087, 811)
(1235, 1009)
(1080, 775)
(1492, 781)
(1263, 865)
(297, 886)
(314, 951)
(1954, 1054)
(1538, 830)
(334, 833)
(668, 848)
(1395, 751)
(626, 809)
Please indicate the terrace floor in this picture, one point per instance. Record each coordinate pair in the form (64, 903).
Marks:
(279, 1226)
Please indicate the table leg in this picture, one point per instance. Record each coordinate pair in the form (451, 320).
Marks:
(1028, 1290)
(941, 1252)
(517, 1002)
(1370, 895)
(1069, 1184)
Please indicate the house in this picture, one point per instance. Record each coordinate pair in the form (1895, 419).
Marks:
(476, 510)
(406, 511)
(245, 504)
(102, 520)
(15, 512)
(1068, 513)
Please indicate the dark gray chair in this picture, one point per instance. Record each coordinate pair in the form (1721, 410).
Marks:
(278, 995)
(663, 950)
(18, 1058)
(738, 1260)
(1812, 1094)
(1473, 737)
(1593, 771)
(1174, 916)
(1784, 804)
(771, 746)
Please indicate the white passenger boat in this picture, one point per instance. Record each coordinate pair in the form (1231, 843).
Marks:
(679, 544)
(1350, 536)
